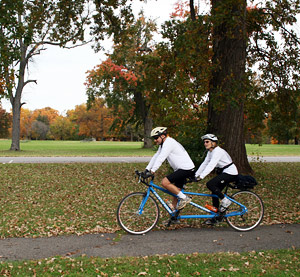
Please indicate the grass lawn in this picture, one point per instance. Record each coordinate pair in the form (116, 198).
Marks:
(117, 148)
(273, 150)
(75, 148)
(42, 200)
(263, 263)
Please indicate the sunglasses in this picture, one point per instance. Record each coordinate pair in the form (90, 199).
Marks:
(155, 137)
(207, 141)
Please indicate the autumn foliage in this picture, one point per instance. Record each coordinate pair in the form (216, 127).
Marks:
(116, 71)
(78, 123)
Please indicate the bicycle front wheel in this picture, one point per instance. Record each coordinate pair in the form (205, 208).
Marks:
(252, 217)
(131, 219)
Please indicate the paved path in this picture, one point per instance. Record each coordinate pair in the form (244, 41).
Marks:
(180, 241)
(74, 159)
(118, 159)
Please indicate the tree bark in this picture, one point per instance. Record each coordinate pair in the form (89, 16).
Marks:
(143, 109)
(227, 93)
(16, 100)
(148, 124)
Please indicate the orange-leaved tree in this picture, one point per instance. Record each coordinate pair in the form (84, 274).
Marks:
(94, 122)
(127, 79)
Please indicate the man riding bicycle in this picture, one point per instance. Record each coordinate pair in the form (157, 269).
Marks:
(178, 159)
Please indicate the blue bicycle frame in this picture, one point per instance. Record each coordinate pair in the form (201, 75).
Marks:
(211, 214)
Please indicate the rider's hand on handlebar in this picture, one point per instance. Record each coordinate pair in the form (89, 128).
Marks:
(146, 174)
(196, 179)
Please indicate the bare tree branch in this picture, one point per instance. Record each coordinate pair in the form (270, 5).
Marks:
(29, 81)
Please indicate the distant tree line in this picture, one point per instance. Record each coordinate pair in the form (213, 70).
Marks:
(97, 122)
(78, 124)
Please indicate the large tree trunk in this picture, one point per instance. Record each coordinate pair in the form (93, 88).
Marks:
(143, 109)
(16, 110)
(148, 124)
(227, 92)
(16, 100)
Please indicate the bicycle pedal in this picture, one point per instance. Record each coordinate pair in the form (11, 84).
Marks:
(175, 221)
(219, 219)
(171, 222)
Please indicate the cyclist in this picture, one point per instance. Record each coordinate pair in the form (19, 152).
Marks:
(227, 172)
(178, 159)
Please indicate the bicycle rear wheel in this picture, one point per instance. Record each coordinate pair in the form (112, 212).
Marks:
(252, 217)
(129, 217)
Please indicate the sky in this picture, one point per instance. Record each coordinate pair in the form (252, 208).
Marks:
(61, 73)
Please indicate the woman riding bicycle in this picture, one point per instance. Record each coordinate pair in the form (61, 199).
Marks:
(217, 158)
(178, 159)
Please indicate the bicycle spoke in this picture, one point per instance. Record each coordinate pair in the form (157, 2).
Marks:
(254, 214)
(130, 218)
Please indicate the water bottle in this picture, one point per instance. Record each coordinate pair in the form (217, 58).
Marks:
(211, 208)
(169, 203)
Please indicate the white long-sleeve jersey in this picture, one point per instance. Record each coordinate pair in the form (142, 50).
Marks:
(218, 157)
(174, 152)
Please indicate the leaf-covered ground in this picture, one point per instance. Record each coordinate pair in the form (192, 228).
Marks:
(39, 200)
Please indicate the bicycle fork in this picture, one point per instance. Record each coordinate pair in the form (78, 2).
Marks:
(165, 205)
(143, 203)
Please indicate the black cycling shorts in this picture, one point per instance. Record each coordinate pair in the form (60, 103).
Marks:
(179, 176)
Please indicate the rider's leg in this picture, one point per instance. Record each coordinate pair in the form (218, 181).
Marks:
(172, 188)
(169, 186)
(174, 201)
(174, 183)
(217, 184)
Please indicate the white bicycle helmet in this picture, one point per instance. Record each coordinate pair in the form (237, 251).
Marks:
(158, 131)
(211, 137)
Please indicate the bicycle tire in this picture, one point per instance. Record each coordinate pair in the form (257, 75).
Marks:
(252, 218)
(129, 218)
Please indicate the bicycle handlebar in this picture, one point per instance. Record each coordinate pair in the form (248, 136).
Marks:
(142, 175)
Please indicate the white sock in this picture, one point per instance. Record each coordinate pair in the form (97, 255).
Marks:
(181, 195)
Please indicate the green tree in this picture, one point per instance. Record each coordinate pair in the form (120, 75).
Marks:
(284, 121)
(244, 38)
(26, 28)
(127, 77)
(62, 128)
(277, 54)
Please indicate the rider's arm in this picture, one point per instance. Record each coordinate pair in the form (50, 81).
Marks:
(213, 159)
(202, 166)
(162, 155)
(152, 161)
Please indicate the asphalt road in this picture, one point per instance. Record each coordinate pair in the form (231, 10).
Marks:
(118, 159)
(180, 241)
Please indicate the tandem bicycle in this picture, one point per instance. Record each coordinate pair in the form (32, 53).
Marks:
(139, 212)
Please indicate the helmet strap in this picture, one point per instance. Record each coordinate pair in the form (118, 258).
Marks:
(162, 139)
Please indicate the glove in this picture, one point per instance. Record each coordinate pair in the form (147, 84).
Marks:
(145, 171)
(197, 178)
(146, 174)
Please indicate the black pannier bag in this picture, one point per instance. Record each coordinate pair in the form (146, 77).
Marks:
(245, 182)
